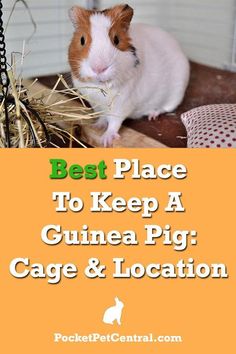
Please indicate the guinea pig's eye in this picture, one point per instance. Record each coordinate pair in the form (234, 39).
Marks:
(116, 40)
(82, 40)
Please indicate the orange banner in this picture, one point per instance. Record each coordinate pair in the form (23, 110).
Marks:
(117, 250)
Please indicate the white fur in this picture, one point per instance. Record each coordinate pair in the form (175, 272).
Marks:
(155, 86)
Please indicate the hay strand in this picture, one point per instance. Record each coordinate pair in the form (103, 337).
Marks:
(34, 115)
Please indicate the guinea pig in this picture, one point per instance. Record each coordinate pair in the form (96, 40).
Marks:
(123, 69)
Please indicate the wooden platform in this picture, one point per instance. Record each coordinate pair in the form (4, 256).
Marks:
(207, 86)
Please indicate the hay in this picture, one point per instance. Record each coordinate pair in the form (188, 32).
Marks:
(34, 117)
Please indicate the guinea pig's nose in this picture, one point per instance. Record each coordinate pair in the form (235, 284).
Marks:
(99, 69)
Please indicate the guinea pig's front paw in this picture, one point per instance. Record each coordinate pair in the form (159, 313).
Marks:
(153, 115)
(108, 139)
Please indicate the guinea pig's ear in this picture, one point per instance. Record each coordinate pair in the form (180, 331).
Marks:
(122, 14)
(127, 13)
(78, 15)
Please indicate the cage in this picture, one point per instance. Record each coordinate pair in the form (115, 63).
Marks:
(206, 30)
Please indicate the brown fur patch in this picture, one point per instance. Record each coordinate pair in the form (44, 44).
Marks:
(78, 52)
(121, 17)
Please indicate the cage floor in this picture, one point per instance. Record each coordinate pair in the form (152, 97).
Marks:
(207, 86)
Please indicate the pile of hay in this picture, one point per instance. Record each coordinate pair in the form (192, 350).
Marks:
(34, 117)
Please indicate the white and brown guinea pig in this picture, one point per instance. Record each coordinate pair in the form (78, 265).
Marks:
(142, 68)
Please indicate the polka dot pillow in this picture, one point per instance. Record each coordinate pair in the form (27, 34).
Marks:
(211, 126)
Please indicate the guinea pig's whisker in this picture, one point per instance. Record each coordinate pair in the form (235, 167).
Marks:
(67, 76)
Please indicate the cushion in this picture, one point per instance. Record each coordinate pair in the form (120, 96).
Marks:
(212, 126)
